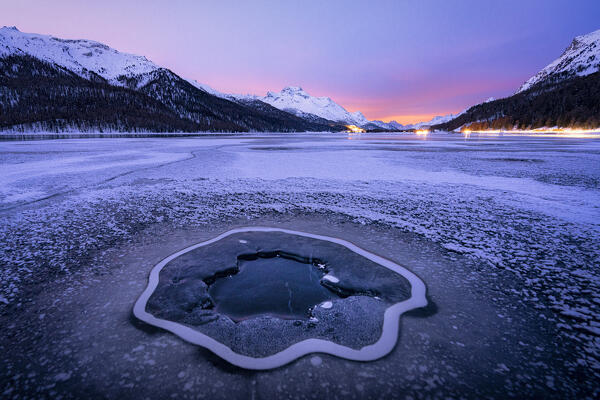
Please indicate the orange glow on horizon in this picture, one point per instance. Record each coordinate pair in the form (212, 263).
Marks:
(371, 110)
(412, 119)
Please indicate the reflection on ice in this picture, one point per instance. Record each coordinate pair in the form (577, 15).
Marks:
(278, 286)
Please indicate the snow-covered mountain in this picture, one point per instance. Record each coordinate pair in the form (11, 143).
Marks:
(206, 88)
(392, 125)
(83, 57)
(120, 91)
(229, 96)
(89, 59)
(581, 58)
(293, 99)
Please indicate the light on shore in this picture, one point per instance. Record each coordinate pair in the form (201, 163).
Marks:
(566, 132)
(354, 129)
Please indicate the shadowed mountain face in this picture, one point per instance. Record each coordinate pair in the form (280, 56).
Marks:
(38, 95)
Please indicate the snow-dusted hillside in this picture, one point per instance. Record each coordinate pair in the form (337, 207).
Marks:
(581, 58)
(80, 56)
(206, 88)
(294, 99)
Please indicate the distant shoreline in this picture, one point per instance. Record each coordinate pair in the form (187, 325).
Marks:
(11, 136)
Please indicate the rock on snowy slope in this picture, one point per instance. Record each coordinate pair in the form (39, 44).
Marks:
(581, 58)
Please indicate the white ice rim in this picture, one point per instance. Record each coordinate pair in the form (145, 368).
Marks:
(384, 345)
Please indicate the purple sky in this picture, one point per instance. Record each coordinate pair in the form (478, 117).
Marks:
(404, 60)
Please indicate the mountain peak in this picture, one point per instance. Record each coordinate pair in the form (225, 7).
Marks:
(581, 58)
(78, 56)
(296, 100)
(588, 38)
(292, 89)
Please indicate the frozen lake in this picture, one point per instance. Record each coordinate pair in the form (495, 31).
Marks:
(503, 230)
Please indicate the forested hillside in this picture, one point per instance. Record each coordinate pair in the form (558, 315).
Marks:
(571, 103)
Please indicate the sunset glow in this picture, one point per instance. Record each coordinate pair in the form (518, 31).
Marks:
(399, 71)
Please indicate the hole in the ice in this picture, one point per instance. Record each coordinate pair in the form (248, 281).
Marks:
(278, 284)
(259, 296)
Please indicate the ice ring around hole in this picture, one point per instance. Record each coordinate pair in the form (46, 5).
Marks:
(380, 348)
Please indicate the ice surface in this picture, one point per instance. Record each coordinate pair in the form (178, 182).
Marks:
(511, 222)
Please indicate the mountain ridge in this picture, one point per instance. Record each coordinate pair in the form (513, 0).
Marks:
(106, 70)
(297, 101)
(82, 56)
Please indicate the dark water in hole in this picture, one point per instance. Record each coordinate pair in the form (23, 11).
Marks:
(275, 286)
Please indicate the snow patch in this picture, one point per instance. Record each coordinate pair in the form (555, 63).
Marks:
(331, 278)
